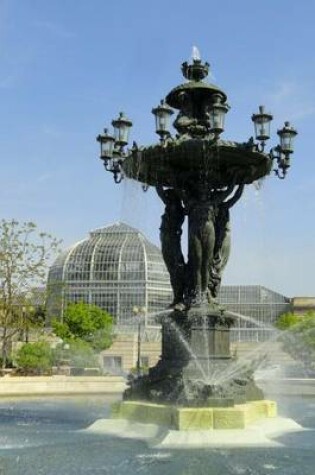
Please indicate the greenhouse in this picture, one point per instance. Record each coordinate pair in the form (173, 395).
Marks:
(255, 308)
(116, 268)
(119, 270)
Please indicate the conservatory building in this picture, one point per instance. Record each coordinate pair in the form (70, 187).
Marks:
(119, 270)
(115, 268)
(255, 309)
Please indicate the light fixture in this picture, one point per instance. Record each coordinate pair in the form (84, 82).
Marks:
(107, 143)
(216, 113)
(162, 115)
(262, 122)
(287, 135)
(281, 153)
(122, 126)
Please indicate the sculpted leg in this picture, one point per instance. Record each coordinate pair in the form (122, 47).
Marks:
(170, 236)
(208, 243)
(221, 251)
(194, 268)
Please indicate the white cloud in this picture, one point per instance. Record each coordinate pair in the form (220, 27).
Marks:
(291, 100)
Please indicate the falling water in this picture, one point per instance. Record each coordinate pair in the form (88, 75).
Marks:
(195, 54)
(252, 320)
(253, 360)
(206, 344)
(188, 348)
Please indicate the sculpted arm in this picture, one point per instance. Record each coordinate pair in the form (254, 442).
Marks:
(231, 202)
(160, 192)
(220, 196)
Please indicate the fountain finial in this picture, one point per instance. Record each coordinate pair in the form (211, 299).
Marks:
(196, 71)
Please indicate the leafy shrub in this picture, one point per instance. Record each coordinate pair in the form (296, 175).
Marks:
(87, 323)
(287, 320)
(298, 338)
(35, 358)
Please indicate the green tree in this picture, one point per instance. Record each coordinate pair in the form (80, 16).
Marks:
(24, 256)
(85, 322)
(306, 329)
(35, 358)
(298, 338)
(287, 320)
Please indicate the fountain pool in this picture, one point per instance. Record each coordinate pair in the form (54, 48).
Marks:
(48, 437)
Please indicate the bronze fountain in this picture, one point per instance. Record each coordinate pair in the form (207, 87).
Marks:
(199, 177)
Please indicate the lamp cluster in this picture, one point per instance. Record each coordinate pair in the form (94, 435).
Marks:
(112, 146)
(207, 124)
(281, 153)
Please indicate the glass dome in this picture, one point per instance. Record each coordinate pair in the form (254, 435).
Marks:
(116, 268)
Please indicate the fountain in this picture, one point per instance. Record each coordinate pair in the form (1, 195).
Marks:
(199, 177)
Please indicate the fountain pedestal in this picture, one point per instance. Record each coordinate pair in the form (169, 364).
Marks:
(195, 418)
(193, 387)
(195, 368)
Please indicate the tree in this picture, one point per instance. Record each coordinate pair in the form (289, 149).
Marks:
(287, 320)
(298, 338)
(24, 255)
(35, 357)
(85, 322)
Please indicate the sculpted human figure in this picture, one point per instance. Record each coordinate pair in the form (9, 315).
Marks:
(170, 236)
(184, 120)
(222, 245)
(201, 205)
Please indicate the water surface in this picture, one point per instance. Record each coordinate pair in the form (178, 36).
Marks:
(44, 437)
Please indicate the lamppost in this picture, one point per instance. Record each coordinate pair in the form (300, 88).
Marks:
(140, 313)
(199, 177)
(27, 320)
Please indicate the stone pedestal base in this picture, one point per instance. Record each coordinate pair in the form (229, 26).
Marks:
(195, 365)
(195, 418)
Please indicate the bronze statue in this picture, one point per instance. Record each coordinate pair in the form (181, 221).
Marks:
(184, 120)
(199, 280)
(222, 246)
(170, 236)
(201, 203)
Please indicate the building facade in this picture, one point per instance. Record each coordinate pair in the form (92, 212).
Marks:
(255, 309)
(303, 305)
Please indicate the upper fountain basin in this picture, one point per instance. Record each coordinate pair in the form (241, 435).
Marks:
(180, 162)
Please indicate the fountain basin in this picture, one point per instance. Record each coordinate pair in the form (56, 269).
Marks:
(223, 162)
(173, 417)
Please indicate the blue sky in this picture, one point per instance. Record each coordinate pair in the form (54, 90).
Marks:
(67, 67)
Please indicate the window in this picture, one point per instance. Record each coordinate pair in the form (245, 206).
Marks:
(144, 361)
(112, 364)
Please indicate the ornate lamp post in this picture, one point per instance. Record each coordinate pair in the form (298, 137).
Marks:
(199, 177)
